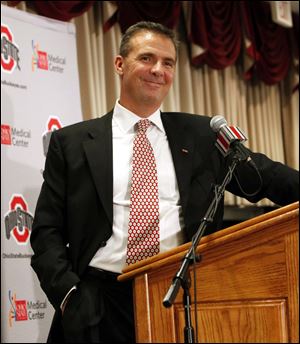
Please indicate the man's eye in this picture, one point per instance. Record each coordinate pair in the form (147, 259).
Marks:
(169, 64)
(145, 58)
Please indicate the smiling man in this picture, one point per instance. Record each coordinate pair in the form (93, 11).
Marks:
(146, 70)
(129, 185)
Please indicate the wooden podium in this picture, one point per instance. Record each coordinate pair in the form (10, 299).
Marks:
(246, 285)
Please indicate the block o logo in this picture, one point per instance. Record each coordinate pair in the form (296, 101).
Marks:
(9, 51)
(18, 221)
(53, 124)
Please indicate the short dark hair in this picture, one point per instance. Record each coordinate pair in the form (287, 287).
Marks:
(160, 29)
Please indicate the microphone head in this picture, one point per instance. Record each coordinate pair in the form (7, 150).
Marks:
(217, 122)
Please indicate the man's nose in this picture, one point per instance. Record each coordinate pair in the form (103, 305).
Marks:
(157, 68)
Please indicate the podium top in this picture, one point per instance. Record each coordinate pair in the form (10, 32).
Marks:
(234, 232)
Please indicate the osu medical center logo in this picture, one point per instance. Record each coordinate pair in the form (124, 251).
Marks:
(5, 135)
(12, 136)
(18, 309)
(10, 58)
(46, 61)
(39, 58)
(23, 310)
(18, 221)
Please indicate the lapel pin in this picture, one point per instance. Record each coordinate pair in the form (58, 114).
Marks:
(184, 150)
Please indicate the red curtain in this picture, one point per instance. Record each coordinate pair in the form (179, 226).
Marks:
(218, 28)
(215, 27)
(60, 10)
(270, 47)
(164, 12)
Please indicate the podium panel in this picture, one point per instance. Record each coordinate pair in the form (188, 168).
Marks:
(239, 322)
(246, 285)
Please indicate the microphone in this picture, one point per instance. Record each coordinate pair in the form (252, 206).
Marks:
(229, 138)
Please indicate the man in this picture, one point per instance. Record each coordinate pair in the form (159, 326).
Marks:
(87, 227)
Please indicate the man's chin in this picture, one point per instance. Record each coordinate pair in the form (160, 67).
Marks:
(153, 98)
(155, 93)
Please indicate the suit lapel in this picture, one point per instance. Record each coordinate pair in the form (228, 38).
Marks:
(99, 155)
(181, 146)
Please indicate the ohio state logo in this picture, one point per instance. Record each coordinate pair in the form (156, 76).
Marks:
(18, 221)
(9, 51)
(53, 124)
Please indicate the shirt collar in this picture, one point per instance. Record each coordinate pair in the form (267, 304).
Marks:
(126, 119)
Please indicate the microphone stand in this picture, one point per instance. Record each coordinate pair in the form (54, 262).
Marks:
(181, 279)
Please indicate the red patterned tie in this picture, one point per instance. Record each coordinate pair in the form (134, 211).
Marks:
(143, 231)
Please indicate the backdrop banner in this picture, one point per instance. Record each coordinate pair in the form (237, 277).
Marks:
(40, 93)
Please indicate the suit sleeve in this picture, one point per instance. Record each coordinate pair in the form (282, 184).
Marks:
(49, 239)
(279, 183)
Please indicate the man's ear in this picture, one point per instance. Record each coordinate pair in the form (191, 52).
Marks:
(119, 61)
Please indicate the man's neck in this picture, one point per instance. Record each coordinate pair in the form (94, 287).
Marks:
(143, 110)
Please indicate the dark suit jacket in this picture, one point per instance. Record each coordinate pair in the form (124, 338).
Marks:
(74, 212)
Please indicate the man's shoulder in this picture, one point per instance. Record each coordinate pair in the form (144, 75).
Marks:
(85, 126)
(186, 118)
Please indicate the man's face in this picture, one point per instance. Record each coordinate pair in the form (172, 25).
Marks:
(148, 71)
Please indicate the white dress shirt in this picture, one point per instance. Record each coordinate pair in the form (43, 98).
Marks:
(112, 257)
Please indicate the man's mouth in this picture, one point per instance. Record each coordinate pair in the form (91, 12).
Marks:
(158, 83)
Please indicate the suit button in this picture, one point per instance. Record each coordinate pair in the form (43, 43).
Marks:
(102, 243)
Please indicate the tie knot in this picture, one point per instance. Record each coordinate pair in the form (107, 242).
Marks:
(143, 125)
